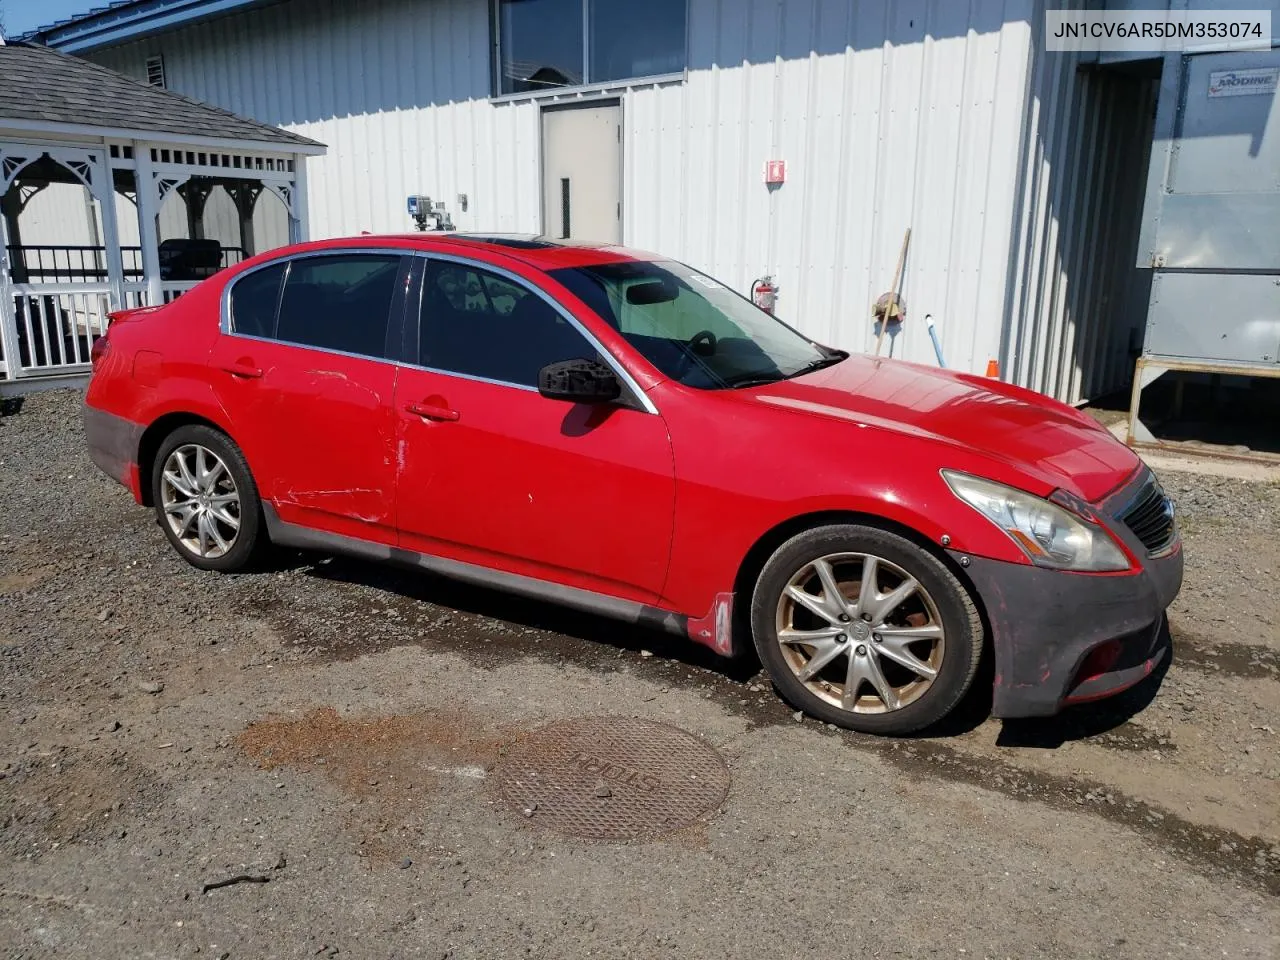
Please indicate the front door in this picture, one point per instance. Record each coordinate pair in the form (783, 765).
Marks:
(493, 473)
(304, 377)
(582, 172)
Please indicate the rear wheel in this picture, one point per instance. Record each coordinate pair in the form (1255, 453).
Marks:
(865, 629)
(205, 499)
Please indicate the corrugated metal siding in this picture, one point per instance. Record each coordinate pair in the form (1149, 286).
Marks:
(888, 114)
(397, 90)
(1076, 300)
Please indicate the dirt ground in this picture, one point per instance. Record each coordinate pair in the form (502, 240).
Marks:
(331, 728)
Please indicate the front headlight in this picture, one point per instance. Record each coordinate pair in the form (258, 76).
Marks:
(1048, 534)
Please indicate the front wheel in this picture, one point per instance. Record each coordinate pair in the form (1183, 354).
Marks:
(206, 500)
(865, 629)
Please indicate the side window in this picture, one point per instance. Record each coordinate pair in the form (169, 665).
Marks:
(254, 300)
(478, 323)
(340, 302)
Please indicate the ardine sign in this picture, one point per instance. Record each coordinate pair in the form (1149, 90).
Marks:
(1242, 83)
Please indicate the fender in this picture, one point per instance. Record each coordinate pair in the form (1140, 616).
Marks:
(706, 557)
(195, 402)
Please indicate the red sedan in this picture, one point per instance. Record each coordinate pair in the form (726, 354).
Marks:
(618, 432)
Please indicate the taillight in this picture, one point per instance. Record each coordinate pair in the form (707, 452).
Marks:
(101, 347)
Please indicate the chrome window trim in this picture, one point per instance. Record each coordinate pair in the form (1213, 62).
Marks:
(559, 308)
(225, 321)
(307, 346)
(468, 376)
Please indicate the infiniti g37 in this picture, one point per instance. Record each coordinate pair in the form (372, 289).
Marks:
(618, 432)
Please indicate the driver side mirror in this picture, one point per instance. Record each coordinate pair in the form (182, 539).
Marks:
(579, 381)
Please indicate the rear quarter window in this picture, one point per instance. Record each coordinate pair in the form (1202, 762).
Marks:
(254, 299)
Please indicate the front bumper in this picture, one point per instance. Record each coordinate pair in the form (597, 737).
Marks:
(1063, 638)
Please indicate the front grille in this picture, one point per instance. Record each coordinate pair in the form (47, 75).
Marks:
(1150, 517)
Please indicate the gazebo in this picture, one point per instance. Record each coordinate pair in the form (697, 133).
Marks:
(115, 193)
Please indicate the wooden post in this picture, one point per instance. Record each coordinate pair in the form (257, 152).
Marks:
(194, 193)
(299, 228)
(8, 321)
(148, 234)
(106, 196)
(10, 211)
(245, 197)
(895, 293)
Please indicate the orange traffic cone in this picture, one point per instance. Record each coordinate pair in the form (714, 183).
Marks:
(993, 369)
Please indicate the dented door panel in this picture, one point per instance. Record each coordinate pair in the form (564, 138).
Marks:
(318, 431)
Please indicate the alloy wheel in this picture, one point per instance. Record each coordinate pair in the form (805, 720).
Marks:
(200, 501)
(860, 632)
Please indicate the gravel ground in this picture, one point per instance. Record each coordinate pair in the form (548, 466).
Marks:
(333, 730)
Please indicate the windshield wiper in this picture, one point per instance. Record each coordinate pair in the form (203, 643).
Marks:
(760, 378)
(752, 380)
(830, 360)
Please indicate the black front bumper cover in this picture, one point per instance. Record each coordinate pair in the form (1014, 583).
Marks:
(1045, 623)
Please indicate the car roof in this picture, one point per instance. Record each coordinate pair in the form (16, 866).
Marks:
(544, 253)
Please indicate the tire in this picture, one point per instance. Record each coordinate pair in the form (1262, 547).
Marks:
(231, 495)
(887, 640)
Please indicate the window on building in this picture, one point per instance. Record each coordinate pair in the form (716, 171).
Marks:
(254, 300)
(636, 39)
(480, 324)
(155, 71)
(339, 302)
(546, 44)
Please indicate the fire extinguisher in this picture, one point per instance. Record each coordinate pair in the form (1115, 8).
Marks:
(764, 293)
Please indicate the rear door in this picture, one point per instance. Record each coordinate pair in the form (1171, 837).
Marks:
(492, 473)
(302, 370)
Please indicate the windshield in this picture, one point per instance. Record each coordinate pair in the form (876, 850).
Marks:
(693, 328)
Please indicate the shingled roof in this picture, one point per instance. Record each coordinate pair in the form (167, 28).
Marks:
(42, 85)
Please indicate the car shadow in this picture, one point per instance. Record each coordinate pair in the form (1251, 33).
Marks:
(1079, 722)
(571, 628)
(973, 710)
(564, 622)
(1085, 720)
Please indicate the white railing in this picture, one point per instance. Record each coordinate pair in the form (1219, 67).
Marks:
(135, 295)
(56, 325)
(171, 290)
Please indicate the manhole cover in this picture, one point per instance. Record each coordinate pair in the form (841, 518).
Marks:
(613, 778)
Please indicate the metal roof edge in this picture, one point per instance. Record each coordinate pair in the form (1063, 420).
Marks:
(130, 20)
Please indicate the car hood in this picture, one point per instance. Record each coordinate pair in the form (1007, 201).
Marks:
(1049, 443)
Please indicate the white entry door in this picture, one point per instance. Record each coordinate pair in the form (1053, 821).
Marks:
(582, 172)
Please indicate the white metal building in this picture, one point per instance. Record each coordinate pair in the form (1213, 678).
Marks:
(1020, 173)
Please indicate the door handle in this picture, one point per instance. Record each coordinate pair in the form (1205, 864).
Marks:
(431, 411)
(243, 368)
